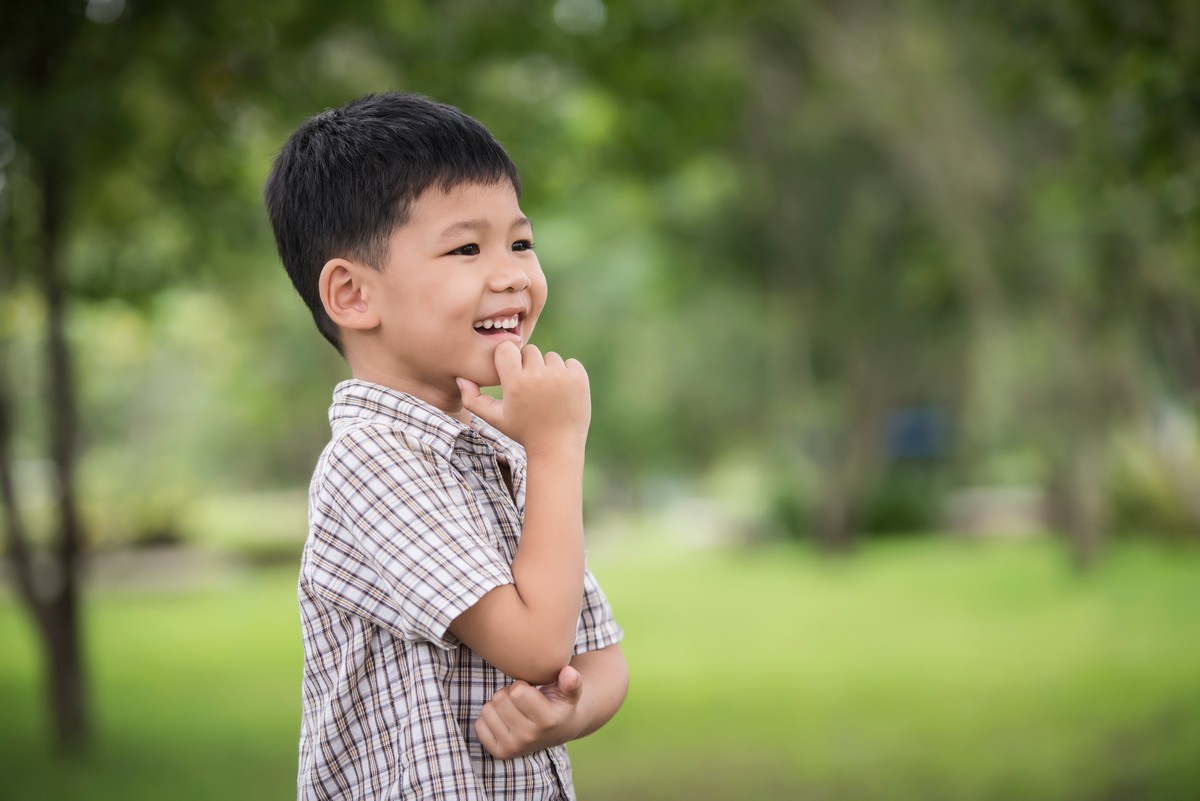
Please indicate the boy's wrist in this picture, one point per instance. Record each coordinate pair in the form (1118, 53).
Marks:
(562, 453)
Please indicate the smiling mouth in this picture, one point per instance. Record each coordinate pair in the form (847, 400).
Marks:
(499, 326)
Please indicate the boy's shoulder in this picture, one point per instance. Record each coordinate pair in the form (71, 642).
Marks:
(359, 451)
(380, 441)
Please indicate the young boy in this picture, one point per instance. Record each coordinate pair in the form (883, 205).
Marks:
(453, 637)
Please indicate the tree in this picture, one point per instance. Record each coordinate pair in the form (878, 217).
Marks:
(37, 42)
(65, 89)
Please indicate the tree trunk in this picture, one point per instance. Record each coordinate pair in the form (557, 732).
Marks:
(61, 630)
(855, 459)
(1077, 501)
(834, 528)
(67, 685)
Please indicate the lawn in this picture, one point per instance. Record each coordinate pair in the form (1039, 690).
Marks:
(927, 669)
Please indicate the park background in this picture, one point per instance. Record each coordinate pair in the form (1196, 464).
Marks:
(892, 315)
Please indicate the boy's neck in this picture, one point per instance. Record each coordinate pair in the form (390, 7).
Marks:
(448, 400)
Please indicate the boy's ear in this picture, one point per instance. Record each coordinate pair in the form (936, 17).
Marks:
(345, 288)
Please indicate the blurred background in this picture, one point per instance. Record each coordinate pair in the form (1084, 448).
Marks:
(892, 314)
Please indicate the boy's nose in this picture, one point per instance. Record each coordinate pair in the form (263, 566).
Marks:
(509, 276)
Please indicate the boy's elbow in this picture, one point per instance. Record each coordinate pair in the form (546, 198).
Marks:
(541, 666)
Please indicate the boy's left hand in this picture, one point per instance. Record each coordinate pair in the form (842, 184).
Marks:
(520, 718)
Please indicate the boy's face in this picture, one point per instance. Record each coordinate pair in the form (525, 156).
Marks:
(460, 278)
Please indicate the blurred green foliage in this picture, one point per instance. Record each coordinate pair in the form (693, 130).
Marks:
(767, 226)
(925, 669)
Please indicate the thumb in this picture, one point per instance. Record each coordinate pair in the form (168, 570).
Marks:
(476, 402)
(570, 683)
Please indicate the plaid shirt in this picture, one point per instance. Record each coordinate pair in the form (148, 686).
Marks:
(410, 524)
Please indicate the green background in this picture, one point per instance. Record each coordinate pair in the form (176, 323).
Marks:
(892, 318)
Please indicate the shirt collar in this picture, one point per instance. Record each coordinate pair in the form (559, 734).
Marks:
(356, 399)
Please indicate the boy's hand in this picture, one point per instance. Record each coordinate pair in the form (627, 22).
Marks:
(547, 402)
(521, 719)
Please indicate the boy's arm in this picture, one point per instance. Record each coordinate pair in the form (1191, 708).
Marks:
(521, 719)
(527, 628)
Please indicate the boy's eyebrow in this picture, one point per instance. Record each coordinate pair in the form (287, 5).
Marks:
(473, 226)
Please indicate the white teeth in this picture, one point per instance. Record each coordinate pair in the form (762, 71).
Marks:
(507, 323)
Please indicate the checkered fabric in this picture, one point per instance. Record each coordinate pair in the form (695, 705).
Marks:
(410, 524)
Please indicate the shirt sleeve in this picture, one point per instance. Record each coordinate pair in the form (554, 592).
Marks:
(397, 539)
(597, 626)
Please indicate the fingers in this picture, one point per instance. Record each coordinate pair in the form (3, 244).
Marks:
(520, 704)
(509, 360)
(545, 400)
(500, 729)
(530, 704)
(503, 730)
(488, 737)
(475, 401)
(469, 390)
(530, 356)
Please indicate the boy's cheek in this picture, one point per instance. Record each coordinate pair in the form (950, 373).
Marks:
(530, 324)
(539, 294)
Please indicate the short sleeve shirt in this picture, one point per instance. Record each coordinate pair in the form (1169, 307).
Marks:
(410, 524)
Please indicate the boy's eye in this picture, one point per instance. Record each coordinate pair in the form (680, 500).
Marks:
(522, 244)
(466, 250)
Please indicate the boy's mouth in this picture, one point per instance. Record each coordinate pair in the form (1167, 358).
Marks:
(506, 325)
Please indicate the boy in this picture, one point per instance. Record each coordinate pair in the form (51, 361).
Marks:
(453, 638)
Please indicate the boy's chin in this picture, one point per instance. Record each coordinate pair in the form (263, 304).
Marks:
(485, 379)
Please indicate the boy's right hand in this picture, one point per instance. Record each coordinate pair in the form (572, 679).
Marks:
(547, 402)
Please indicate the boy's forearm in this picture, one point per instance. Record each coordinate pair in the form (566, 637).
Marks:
(605, 682)
(549, 564)
(527, 628)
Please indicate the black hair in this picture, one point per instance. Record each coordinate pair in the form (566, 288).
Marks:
(347, 178)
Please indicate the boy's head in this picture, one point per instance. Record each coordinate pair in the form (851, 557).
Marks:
(347, 179)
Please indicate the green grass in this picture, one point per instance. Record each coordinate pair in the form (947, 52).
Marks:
(924, 670)
(194, 698)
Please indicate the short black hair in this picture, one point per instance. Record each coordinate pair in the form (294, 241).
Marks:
(347, 178)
